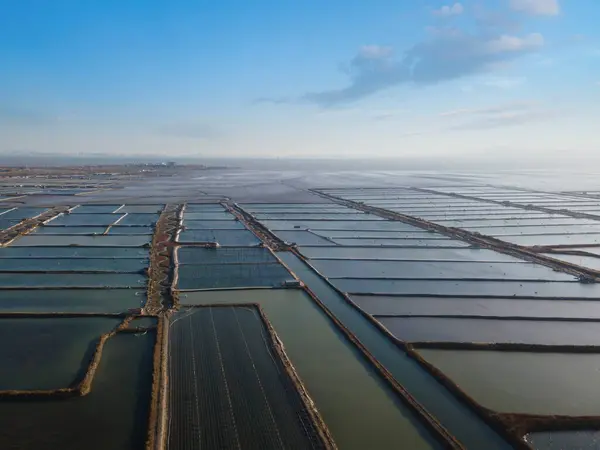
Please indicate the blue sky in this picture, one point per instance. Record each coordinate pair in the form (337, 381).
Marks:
(311, 78)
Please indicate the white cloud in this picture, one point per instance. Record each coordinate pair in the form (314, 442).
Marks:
(506, 43)
(508, 114)
(536, 7)
(375, 51)
(498, 109)
(503, 82)
(447, 11)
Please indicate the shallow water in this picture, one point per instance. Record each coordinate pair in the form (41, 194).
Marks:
(438, 306)
(139, 220)
(437, 329)
(469, 288)
(379, 234)
(93, 280)
(148, 209)
(437, 270)
(565, 239)
(225, 215)
(213, 225)
(97, 209)
(375, 225)
(357, 406)
(220, 361)
(83, 241)
(302, 238)
(211, 276)
(564, 440)
(199, 255)
(536, 383)
(204, 207)
(71, 300)
(85, 219)
(449, 243)
(69, 230)
(454, 416)
(74, 252)
(408, 254)
(228, 238)
(73, 265)
(113, 416)
(584, 261)
(48, 353)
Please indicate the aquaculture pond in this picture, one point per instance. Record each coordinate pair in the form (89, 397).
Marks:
(119, 401)
(48, 353)
(71, 300)
(223, 360)
(525, 382)
(359, 409)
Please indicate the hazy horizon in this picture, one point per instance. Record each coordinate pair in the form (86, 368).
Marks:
(499, 79)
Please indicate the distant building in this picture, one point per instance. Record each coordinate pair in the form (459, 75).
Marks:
(171, 164)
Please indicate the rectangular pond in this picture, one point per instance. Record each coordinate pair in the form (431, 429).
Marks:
(97, 209)
(590, 262)
(303, 238)
(375, 225)
(73, 265)
(232, 255)
(401, 242)
(214, 276)
(404, 254)
(143, 209)
(378, 234)
(69, 230)
(358, 407)
(503, 307)
(524, 382)
(238, 386)
(74, 252)
(228, 238)
(564, 440)
(437, 270)
(225, 215)
(114, 415)
(48, 353)
(83, 241)
(71, 300)
(349, 216)
(565, 239)
(76, 220)
(214, 225)
(145, 220)
(83, 280)
(469, 288)
(542, 332)
(547, 221)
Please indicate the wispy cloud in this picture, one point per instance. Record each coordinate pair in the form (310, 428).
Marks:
(367, 113)
(509, 114)
(190, 130)
(490, 110)
(447, 11)
(491, 41)
(503, 82)
(536, 7)
(448, 54)
(274, 100)
(372, 69)
(12, 115)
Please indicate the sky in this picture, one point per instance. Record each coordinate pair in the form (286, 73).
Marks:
(310, 78)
